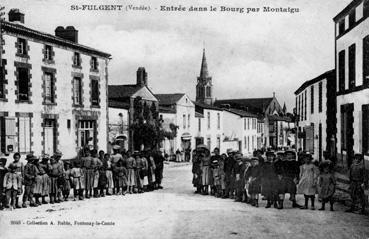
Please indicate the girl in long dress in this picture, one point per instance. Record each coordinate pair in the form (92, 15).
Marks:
(308, 181)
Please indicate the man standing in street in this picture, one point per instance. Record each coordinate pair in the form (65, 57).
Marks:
(229, 179)
(159, 164)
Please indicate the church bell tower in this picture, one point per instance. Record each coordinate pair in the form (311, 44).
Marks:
(204, 87)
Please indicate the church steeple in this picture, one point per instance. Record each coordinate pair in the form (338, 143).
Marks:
(204, 66)
(204, 87)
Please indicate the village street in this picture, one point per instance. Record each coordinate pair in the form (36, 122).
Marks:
(176, 212)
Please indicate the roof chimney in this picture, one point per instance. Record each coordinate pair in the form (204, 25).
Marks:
(16, 16)
(141, 76)
(69, 33)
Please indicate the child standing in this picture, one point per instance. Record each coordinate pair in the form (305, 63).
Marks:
(76, 175)
(253, 177)
(12, 185)
(326, 184)
(358, 180)
(67, 177)
(3, 171)
(308, 181)
(121, 173)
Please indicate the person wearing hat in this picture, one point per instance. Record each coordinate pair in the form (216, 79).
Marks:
(140, 164)
(131, 178)
(12, 186)
(77, 178)
(228, 169)
(326, 184)
(115, 158)
(96, 165)
(291, 172)
(196, 170)
(159, 168)
(205, 168)
(3, 171)
(44, 166)
(308, 181)
(214, 165)
(19, 169)
(268, 180)
(39, 181)
(30, 174)
(61, 180)
(55, 173)
(358, 182)
(252, 176)
(88, 174)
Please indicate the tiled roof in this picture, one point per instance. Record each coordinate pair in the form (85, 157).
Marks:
(206, 106)
(25, 31)
(166, 110)
(118, 104)
(241, 113)
(169, 99)
(255, 105)
(279, 118)
(122, 91)
(328, 74)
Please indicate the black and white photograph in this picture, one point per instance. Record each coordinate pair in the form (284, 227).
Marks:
(184, 119)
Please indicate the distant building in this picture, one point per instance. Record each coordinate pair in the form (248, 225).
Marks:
(204, 87)
(352, 77)
(127, 103)
(177, 110)
(267, 110)
(52, 91)
(241, 126)
(316, 115)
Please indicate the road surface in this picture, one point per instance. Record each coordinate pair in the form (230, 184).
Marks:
(176, 212)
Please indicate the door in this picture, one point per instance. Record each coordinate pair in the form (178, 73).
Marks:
(49, 136)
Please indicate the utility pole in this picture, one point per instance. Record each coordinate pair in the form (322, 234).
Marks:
(2, 14)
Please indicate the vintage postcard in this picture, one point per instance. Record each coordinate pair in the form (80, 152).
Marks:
(184, 119)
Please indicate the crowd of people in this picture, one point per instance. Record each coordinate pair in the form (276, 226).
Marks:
(273, 176)
(50, 179)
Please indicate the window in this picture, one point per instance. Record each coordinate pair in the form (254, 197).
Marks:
(351, 66)
(208, 91)
(248, 123)
(218, 120)
(343, 129)
(341, 70)
(87, 133)
(320, 97)
(341, 27)
(7, 134)
(22, 46)
(94, 64)
(23, 84)
(248, 143)
(2, 82)
(245, 142)
(366, 58)
(49, 88)
(253, 142)
(365, 129)
(76, 59)
(49, 136)
(366, 8)
(302, 106)
(184, 121)
(188, 120)
(305, 106)
(199, 125)
(208, 143)
(24, 134)
(218, 143)
(94, 92)
(312, 99)
(244, 123)
(77, 91)
(48, 54)
(208, 120)
(352, 18)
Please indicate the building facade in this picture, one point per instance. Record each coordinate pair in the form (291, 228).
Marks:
(352, 78)
(315, 109)
(241, 126)
(53, 91)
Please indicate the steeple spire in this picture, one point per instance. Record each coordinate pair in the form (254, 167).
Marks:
(204, 73)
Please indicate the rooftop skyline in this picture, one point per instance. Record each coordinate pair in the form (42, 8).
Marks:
(248, 55)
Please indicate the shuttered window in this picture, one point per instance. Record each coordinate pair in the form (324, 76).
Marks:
(365, 129)
(24, 134)
(351, 66)
(320, 97)
(312, 99)
(7, 134)
(49, 88)
(95, 92)
(341, 70)
(77, 91)
(366, 58)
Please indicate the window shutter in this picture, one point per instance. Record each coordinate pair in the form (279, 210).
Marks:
(365, 129)
(9, 126)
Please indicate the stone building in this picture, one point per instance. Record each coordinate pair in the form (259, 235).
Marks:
(352, 78)
(53, 91)
(316, 115)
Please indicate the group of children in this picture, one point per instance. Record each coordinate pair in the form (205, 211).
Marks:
(273, 176)
(91, 174)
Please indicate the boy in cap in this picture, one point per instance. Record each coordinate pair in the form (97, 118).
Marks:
(228, 169)
(253, 174)
(268, 180)
(55, 173)
(115, 157)
(131, 177)
(89, 174)
(30, 174)
(77, 178)
(44, 167)
(214, 165)
(57, 156)
(3, 171)
(12, 186)
(358, 181)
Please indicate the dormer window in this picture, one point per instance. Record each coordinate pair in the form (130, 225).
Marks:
(76, 59)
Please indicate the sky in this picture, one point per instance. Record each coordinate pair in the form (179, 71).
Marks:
(249, 55)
